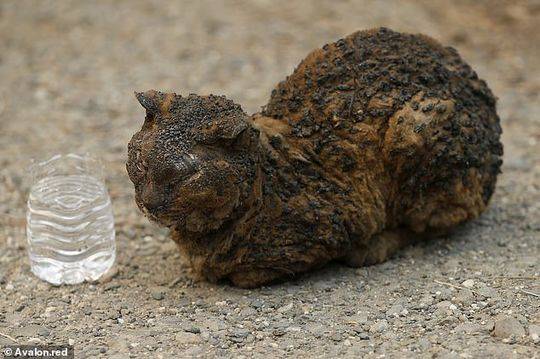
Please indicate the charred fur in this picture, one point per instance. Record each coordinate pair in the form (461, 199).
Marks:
(374, 141)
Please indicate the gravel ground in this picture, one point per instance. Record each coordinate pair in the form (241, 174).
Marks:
(68, 71)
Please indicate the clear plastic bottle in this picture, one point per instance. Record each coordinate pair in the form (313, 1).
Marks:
(69, 220)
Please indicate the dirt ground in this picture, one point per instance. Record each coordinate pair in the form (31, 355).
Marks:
(68, 70)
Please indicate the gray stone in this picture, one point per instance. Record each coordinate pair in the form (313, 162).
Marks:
(239, 333)
(487, 292)
(158, 294)
(187, 338)
(247, 313)
(363, 336)
(534, 332)
(396, 310)
(360, 318)
(426, 301)
(464, 296)
(193, 352)
(505, 327)
(257, 304)
(424, 344)
(379, 326)
(286, 308)
(192, 329)
(318, 330)
(32, 330)
(469, 328)
(111, 286)
(44, 331)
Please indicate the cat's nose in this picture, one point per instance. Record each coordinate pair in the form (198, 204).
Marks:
(152, 198)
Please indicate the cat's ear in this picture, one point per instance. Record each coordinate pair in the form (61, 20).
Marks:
(155, 102)
(150, 100)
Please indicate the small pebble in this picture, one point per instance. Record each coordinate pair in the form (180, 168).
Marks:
(534, 332)
(193, 330)
(157, 295)
(506, 327)
(379, 326)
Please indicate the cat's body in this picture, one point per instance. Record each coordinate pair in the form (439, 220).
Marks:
(372, 142)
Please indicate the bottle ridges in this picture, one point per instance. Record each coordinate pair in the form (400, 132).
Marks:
(70, 229)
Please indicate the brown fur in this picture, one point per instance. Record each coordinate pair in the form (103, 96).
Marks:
(374, 141)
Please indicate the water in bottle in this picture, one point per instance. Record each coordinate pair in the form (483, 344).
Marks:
(70, 225)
